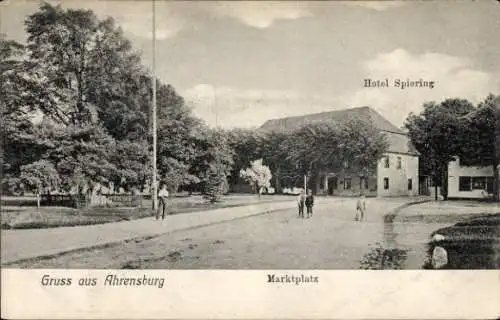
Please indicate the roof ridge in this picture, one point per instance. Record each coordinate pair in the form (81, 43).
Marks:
(318, 113)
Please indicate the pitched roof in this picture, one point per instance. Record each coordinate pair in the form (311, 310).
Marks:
(398, 140)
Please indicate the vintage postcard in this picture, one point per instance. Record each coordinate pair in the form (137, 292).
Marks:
(250, 159)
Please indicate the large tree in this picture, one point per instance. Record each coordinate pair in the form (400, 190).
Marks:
(19, 143)
(179, 133)
(81, 155)
(257, 175)
(480, 145)
(247, 146)
(438, 134)
(82, 67)
(40, 176)
(275, 155)
(213, 162)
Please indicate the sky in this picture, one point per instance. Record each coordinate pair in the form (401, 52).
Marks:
(238, 64)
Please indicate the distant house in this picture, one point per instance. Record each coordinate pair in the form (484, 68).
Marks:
(396, 173)
(469, 182)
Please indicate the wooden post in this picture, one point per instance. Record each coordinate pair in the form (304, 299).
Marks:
(153, 80)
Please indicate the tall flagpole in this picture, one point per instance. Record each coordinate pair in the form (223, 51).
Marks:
(153, 80)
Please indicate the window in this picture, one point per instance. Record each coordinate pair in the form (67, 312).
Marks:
(347, 183)
(399, 163)
(363, 183)
(386, 183)
(475, 183)
(479, 183)
(464, 184)
(410, 184)
(386, 162)
(346, 164)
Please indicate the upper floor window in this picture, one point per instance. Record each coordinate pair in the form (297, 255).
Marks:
(386, 161)
(346, 164)
(399, 163)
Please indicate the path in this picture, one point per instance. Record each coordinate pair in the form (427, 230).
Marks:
(413, 225)
(31, 243)
(338, 213)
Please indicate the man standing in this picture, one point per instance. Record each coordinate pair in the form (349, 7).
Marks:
(162, 195)
(309, 203)
(301, 202)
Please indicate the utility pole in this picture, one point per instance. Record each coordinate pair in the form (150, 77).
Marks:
(216, 107)
(153, 80)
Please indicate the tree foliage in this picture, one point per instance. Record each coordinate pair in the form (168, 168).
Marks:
(40, 176)
(213, 163)
(454, 128)
(247, 145)
(257, 175)
(319, 147)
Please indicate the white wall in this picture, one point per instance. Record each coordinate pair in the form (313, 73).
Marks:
(455, 171)
(398, 178)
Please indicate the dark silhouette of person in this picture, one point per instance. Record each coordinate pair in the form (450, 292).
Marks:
(309, 203)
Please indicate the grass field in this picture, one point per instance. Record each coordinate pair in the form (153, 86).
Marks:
(28, 217)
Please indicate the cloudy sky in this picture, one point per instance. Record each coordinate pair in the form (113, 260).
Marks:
(253, 61)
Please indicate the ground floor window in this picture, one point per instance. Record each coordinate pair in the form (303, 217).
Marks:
(363, 183)
(386, 183)
(347, 183)
(464, 184)
(478, 183)
(475, 183)
(410, 184)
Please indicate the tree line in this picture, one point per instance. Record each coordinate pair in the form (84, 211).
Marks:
(85, 78)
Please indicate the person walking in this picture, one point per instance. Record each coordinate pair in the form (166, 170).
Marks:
(309, 203)
(360, 208)
(162, 195)
(301, 202)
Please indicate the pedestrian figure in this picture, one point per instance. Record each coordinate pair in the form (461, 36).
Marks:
(162, 195)
(360, 208)
(309, 203)
(301, 203)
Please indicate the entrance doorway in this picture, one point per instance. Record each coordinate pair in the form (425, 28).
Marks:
(332, 185)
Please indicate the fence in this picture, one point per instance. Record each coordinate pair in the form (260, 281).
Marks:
(127, 200)
(65, 200)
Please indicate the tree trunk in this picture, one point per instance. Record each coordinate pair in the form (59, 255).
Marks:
(318, 183)
(38, 201)
(277, 181)
(434, 181)
(444, 184)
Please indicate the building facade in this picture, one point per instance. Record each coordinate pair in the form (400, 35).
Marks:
(395, 174)
(469, 182)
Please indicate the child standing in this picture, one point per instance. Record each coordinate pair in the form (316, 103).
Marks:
(309, 203)
(360, 208)
(301, 202)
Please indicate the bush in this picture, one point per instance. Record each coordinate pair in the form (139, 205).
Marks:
(380, 258)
